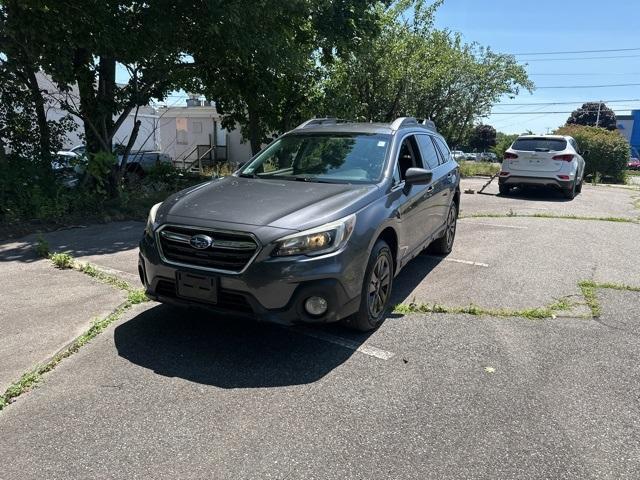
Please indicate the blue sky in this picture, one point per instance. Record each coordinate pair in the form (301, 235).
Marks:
(555, 26)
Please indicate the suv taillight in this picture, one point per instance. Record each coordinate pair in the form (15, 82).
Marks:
(510, 156)
(564, 158)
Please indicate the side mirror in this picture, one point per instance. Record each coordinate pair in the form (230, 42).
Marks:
(418, 176)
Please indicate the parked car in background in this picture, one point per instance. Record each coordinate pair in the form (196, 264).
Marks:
(141, 163)
(312, 230)
(67, 168)
(549, 160)
(458, 155)
(634, 164)
(470, 156)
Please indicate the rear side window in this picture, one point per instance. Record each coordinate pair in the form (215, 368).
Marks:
(539, 144)
(428, 150)
(444, 149)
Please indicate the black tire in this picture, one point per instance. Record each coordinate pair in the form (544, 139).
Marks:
(504, 190)
(444, 244)
(376, 290)
(579, 186)
(570, 193)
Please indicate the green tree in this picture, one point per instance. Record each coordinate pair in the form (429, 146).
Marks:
(482, 137)
(412, 69)
(79, 45)
(261, 60)
(503, 142)
(594, 114)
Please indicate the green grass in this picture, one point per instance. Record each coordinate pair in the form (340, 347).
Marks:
(549, 215)
(107, 278)
(548, 311)
(485, 169)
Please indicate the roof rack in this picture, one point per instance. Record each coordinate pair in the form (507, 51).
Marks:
(401, 122)
(430, 124)
(321, 121)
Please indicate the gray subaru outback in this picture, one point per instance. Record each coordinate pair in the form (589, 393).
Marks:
(313, 229)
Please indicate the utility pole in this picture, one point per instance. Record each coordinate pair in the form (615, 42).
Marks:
(598, 117)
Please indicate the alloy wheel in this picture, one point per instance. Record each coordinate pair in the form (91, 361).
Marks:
(379, 284)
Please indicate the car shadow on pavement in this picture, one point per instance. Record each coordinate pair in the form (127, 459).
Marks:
(537, 194)
(206, 348)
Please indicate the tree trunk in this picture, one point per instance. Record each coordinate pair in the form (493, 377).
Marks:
(132, 140)
(254, 131)
(106, 93)
(41, 117)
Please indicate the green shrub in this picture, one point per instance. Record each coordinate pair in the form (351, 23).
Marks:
(607, 155)
(42, 247)
(62, 260)
(503, 142)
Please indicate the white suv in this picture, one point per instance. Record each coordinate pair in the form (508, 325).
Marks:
(549, 160)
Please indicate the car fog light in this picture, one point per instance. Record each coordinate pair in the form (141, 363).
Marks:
(316, 306)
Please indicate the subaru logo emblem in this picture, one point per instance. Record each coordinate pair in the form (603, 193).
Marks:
(201, 241)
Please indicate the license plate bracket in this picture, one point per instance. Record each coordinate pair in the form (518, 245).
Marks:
(197, 287)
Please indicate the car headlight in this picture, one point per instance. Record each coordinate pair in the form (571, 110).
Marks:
(151, 219)
(317, 241)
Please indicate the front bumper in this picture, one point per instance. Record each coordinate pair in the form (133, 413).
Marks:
(515, 180)
(271, 289)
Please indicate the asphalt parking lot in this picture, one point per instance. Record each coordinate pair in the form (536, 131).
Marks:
(168, 394)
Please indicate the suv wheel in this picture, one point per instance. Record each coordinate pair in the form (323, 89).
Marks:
(570, 192)
(579, 186)
(376, 290)
(504, 189)
(444, 244)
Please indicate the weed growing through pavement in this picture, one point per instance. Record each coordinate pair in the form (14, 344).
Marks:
(62, 260)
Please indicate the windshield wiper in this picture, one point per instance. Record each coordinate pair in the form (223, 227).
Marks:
(248, 175)
(310, 179)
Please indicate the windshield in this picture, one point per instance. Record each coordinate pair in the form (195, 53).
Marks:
(540, 144)
(357, 158)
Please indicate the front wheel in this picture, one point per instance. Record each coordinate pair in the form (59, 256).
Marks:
(504, 189)
(376, 290)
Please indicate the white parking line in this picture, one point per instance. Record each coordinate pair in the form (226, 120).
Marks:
(467, 262)
(499, 225)
(343, 342)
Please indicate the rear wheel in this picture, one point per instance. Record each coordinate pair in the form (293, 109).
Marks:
(579, 186)
(376, 290)
(444, 244)
(570, 192)
(504, 189)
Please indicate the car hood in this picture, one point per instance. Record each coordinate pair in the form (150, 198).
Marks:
(285, 204)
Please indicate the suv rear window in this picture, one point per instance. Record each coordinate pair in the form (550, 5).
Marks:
(539, 144)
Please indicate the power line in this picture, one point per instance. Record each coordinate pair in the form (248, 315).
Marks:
(577, 58)
(547, 112)
(574, 74)
(568, 103)
(592, 86)
(580, 51)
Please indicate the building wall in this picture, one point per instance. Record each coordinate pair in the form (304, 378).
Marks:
(147, 135)
(239, 151)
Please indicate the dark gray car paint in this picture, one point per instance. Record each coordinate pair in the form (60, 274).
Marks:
(273, 208)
